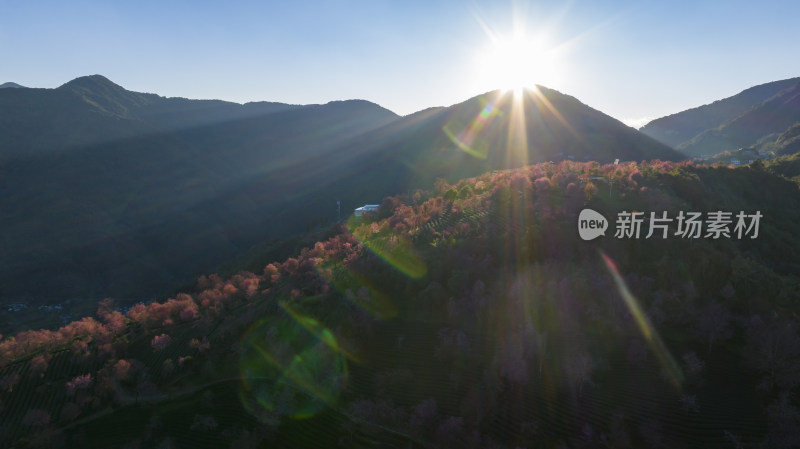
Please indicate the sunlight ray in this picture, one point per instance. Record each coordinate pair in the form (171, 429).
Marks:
(517, 142)
(539, 98)
(359, 290)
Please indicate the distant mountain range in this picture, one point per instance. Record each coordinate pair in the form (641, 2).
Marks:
(93, 110)
(10, 84)
(756, 117)
(108, 192)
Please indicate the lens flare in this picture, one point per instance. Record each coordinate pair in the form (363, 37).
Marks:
(649, 333)
(317, 329)
(359, 290)
(393, 249)
(291, 366)
(466, 137)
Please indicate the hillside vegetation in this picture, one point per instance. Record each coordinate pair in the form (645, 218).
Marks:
(470, 316)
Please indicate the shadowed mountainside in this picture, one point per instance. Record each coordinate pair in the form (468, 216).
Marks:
(118, 193)
(760, 127)
(494, 131)
(680, 128)
(91, 110)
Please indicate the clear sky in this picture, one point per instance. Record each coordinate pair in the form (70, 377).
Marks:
(630, 59)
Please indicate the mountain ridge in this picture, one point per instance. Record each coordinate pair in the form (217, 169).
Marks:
(752, 118)
(189, 185)
(760, 124)
(92, 110)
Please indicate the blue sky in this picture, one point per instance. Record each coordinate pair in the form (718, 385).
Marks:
(630, 59)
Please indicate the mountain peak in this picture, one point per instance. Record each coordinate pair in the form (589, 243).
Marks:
(105, 96)
(11, 85)
(91, 82)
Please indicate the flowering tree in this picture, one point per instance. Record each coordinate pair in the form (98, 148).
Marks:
(79, 383)
(122, 369)
(160, 342)
(39, 364)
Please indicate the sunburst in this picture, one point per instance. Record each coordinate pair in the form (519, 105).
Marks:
(517, 62)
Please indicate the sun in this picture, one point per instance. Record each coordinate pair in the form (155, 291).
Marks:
(516, 62)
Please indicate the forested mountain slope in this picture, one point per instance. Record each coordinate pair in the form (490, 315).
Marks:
(473, 316)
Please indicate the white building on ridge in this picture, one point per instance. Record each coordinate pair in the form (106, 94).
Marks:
(366, 209)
